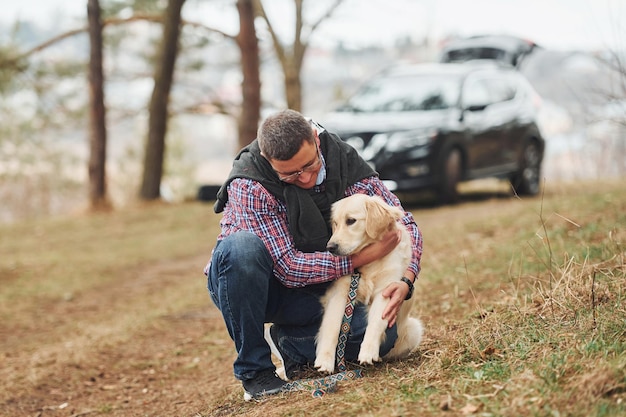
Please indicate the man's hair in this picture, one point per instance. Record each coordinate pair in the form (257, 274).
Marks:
(282, 134)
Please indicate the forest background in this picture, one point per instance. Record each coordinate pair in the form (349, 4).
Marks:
(135, 102)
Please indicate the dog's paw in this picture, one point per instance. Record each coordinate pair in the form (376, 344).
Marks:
(368, 360)
(368, 356)
(325, 363)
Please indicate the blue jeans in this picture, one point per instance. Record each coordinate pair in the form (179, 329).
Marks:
(243, 287)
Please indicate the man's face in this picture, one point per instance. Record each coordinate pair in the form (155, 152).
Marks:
(303, 168)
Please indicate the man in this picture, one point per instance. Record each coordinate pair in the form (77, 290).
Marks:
(270, 263)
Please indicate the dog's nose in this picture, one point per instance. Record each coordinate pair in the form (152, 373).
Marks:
(332, 247)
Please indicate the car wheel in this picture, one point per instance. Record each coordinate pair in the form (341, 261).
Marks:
(451, 175)
(527, 180)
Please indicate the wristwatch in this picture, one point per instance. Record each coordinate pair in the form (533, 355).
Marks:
(410, 284)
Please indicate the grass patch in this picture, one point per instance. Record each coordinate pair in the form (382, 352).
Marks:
(525, 314)
(523, 301)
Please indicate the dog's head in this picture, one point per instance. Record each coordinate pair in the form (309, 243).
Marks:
(359, 220)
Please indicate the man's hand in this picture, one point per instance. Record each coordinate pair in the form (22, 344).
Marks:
(377, 250)
(396, 292)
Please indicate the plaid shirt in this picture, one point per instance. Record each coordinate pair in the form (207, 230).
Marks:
(251, 207)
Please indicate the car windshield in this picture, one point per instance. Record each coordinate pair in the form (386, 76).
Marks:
(406, 93)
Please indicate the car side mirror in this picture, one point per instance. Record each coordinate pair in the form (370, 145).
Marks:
(471, 108)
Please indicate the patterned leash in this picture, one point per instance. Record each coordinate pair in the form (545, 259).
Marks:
(320, 386)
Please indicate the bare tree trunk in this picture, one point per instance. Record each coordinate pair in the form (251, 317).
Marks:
(157, 125)
(293, 86)
(251, 84)
(291, 57)
(98, 134)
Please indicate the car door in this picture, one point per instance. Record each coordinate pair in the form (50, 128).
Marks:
(504, 114)
(482, 126)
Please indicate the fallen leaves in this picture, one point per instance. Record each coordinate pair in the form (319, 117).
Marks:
(470, 409)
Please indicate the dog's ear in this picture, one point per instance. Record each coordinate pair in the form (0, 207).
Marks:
(380, 217)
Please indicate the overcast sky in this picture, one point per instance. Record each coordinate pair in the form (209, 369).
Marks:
(557, 24)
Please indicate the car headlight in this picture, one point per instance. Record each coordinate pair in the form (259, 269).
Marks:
(376, 144)
(400, 141)
(356, 142)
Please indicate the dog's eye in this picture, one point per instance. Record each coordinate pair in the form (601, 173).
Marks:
(350, 221)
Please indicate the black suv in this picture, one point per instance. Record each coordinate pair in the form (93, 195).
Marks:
(430, 126)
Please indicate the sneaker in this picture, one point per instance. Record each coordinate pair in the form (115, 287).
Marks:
(290, 367)
(266, 382)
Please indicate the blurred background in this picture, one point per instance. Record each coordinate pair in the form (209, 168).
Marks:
(45, 126)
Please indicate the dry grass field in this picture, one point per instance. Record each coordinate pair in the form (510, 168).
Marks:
(523, 301)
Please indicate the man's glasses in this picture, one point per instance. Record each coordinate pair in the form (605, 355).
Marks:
(311, 166)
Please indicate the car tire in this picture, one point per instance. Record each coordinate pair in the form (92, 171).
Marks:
(450, 177)
(527, 179)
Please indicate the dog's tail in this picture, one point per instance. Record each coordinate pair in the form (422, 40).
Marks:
(409, 337)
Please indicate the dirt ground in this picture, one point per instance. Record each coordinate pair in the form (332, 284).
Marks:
(71, 360)
(97, 353)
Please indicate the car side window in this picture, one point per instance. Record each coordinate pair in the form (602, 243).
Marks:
(501, 90)
(475, 94)
(481, 92)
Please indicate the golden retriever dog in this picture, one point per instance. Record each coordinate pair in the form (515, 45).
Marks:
(358, 221)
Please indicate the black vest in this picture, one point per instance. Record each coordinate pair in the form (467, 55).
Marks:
(308, 211)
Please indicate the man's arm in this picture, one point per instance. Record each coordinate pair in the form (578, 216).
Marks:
(253, 208)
